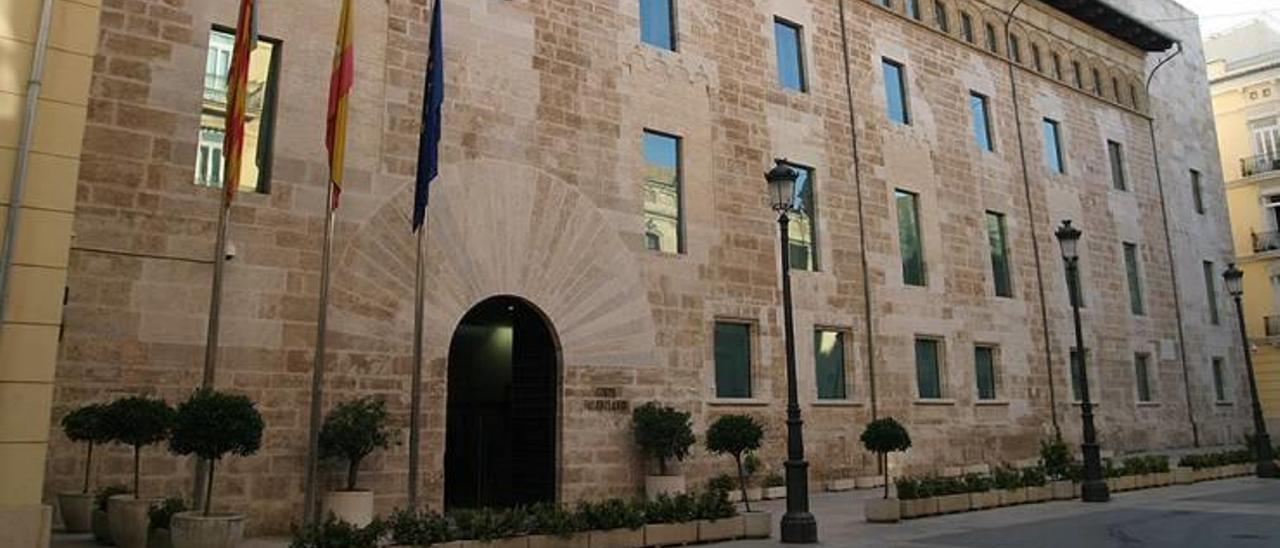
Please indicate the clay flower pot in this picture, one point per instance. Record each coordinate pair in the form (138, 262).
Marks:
(354, 507)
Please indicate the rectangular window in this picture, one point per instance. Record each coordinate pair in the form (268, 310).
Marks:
(1134, 274)
(1097, 83)
(966, 27)
(1077, 393)
(663, 203)
(804, 222)
(1053, 146)
(1036, 60)
(733, 360)
(993, 43)
(1057, 66)
(913, 9)
(1015, 48)
(1142, 376)
(997, 238)
(940, 16)
(1219, 380)
(1115, 88)
(1133, 96)
(1116, 153)
(657, 23)
(895, 91)
(1211, 292)
(260, 113)
(828, 357)
(981, 121)
(790, 55)
(1197, 195)
(928, 369)
(887, 3)
(984, 363)
(1077, 76)
(909, 239)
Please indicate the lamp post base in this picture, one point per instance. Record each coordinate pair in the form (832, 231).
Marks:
(1267, 469)
(799, 528)
(1095, 491)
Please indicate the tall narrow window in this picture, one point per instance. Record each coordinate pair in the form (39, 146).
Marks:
(928, 369)
(966, 27)
(940, 16)
(1116, 153)
(1219, 380)
(913, 9)
(997, 239)
(981, 121)
(984, 363)
(733, 360)
(657, 23)
(1057, 66)
(663, 222)
(909, 240)
(1211, 292)
(1142, 376)
(1134, 274)
(828, 356)
(1077, 77)
(1053, 146)
(1197, 195)
(1015, 48)
(1077, 392)
(895, 91)
(886, 3)
(1097, 83)
(993, 42)
(1036, 60)
(1115, 88)
(260, 113)
(804, 226)
(790, 55)
(1133, 96)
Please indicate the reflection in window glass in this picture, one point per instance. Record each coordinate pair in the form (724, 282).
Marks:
(981, 121)
(1053, 146)
(997, 239)
(803, 232)
(790, 59)
(909, 238)
(1135, 279)
(255, 168)
(1116, 153)
(662, 200)
(928, 369)
(828, 356)
(733, 360)
(657, 26)
(895, 92)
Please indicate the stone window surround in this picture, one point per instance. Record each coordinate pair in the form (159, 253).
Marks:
(1153, 377)
(997, 372)
(758, 397)
(852, 394)
(944, 371)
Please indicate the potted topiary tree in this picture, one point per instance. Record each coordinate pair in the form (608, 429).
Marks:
(84, 425)
(663, 433)
(737, 436)
(884, 436)
(136, 421)
(352, 431)
(211, 425)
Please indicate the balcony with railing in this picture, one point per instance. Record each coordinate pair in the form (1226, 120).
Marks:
(1258, 165)
(1273, 326)
(1266, 241)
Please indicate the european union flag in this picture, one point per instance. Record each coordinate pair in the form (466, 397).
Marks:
(429, 141)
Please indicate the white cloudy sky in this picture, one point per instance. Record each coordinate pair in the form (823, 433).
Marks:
(1217, 15)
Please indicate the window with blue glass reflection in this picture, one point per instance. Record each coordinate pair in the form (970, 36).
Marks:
(790, 59)
(981, 121)
(804, 225)
(1053, 146)
(657, 23)
(895, 92)
(662, 200)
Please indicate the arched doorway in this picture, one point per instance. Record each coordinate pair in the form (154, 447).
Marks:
(501, 416)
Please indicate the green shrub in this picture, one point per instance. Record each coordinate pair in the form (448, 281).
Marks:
(1006, 477)
(977, 483)
(722, 482)
(87, 424)
(212, 424)
(714, 504)
(353, 430)
(884, 436)
(1055, 458)
(335, 533)
(488, 523)
(411, 528)
(737, 436)
(138, 421)
(161, 513)
(1034, 477)
(611, 514)
(775, 480)
(552, 519)
(908, 488)
(663, 433)
(671, 509)
(105, 493)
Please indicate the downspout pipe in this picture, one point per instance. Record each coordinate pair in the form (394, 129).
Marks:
(25, 136)
(1031, 219)
(1173, 266)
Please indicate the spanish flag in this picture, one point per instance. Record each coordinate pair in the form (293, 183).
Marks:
(339, 97)
(237, 94)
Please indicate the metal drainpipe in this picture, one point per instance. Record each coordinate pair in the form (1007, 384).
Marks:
(1168, 240)
(1031, 217)
(26, 134)
(862, 224)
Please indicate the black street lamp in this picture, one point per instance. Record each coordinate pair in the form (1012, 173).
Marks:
(1266, 467)
(1094, 487)
(798, 524)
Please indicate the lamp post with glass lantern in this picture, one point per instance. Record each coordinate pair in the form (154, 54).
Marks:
(798, 524)
(1266, 467)
(1094, 487)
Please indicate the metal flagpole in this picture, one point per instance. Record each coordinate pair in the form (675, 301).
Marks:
(311, 510)
(415, 392)
(211, 339)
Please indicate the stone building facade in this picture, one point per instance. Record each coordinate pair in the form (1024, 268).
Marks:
(541, 202)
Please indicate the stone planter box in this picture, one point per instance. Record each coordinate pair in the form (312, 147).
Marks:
(1163, 479)
(1039, 493)
(919, 507)
(882, 511)
(753, 494)
(617, 538)
(670, 534)
(774, 493)
(1245, 469)
(1142, 482)
(1010, 497)
(1202, 474)
(720, 529)
(1183, 476)
(757, 524)
(950, 504)
(1125, 483)
(1076, 488)
(978, 469)
(514, 542)
(842, 485)
(952, 471)
(576, 540)
(1062, 490)
(869, 482)
(983, 500)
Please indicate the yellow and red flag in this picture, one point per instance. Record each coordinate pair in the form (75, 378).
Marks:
(237, 95)
(339, 97)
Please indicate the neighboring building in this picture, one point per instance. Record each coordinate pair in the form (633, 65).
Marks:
(1244, 76)
(37, 261)
(600, 235)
